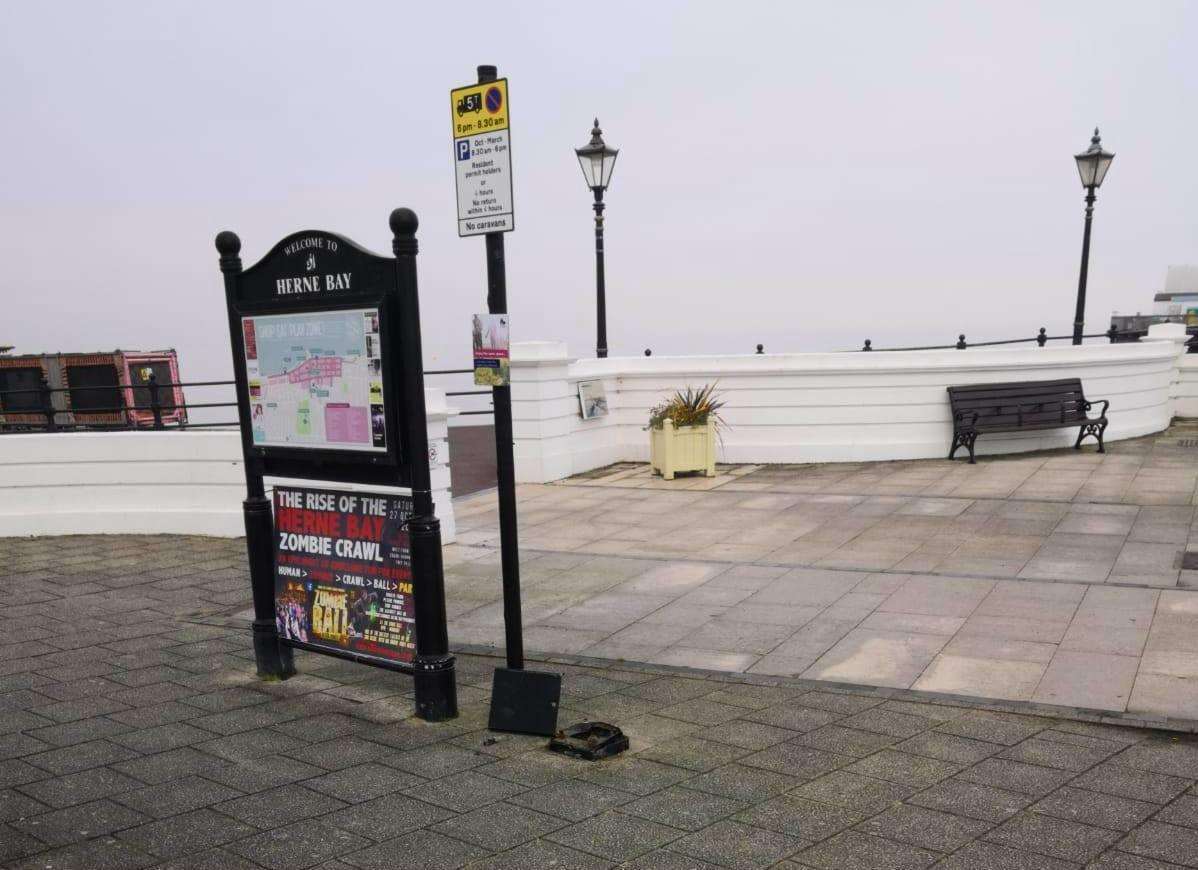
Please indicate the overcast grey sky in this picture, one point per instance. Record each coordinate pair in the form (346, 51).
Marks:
(802, 174)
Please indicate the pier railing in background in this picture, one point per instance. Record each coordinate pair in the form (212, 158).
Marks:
(30, 410)
(35, 409)
(1113, 335)
(449, 394)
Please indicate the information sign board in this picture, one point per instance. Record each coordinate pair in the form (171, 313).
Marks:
(483, 157)
(325, 338)
(322, 370)
(343, 572)
(316, 379)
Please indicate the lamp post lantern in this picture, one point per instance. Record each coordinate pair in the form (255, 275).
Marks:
(1092, 165)
(597, 160)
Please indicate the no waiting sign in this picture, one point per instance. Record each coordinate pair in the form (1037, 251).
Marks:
(483, 157)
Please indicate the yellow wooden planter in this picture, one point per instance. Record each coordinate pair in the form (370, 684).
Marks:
(686, 448)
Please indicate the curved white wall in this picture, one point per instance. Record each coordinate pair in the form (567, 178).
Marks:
(1186, 389)
(824, 407)
(121, 482)
(175, 482)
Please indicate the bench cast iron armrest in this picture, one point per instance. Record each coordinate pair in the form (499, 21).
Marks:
(959, 418)
(1105, 404)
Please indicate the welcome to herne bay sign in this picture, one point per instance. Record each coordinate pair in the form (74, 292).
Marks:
(330, 390)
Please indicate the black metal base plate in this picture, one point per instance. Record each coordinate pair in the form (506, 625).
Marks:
(590, 740)
(525, 702)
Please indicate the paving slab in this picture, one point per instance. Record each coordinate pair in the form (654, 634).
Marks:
(965, 720)
(1042, 591)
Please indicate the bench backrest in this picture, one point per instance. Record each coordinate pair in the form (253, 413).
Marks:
(1042, 402)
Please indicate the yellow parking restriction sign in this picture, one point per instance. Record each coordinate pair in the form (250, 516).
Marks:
(479, 108)
(482, 158)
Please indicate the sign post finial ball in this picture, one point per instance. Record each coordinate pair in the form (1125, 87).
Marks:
(404, 222)
(228, 244)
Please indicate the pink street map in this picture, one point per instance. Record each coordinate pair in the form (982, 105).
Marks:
(322, 369)
(346, 424)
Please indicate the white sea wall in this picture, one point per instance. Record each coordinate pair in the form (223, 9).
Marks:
(830, 407)
(1186, 388)
(188, 482)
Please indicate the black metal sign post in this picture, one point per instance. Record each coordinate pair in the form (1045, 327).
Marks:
(505, 463)
(436, 689)
(521, 701)
(274, 661)
(313, 410)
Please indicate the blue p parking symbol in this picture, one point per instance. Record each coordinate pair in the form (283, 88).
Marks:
(463, 149)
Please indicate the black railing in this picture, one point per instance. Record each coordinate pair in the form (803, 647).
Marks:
(448, 393)
(41, 414)
(44, 406)
(79, 418)
(1113, 335)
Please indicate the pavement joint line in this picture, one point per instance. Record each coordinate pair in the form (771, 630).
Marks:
(1031, 708)
(540, 551)
(854, 494)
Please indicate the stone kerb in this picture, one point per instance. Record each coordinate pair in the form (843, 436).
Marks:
(146, 482)
(820, 407)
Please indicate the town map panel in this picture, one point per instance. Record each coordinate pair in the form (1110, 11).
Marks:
(316, 380)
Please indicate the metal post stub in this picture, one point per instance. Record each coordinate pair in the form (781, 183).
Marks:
(589, 741)
(525, 702)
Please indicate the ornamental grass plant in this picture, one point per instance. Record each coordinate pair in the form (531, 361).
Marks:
(689, 407)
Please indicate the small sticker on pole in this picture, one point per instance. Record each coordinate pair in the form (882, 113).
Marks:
(492, 350)
(482, 157)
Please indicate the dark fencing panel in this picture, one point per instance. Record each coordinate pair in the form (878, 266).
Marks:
(21, 379)
(83, 380)
(139, 376)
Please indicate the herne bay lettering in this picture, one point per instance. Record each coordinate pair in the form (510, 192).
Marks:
(313, 284)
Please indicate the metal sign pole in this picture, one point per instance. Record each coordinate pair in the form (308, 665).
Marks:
(274, 660)
(436, 690)
(505, 464)
(522, 701)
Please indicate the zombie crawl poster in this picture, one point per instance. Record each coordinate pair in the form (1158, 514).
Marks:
(343, 572)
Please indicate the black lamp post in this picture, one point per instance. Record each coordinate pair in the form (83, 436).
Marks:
(597, 161)
(1092, 164)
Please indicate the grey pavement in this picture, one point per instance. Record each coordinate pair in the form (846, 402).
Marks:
(134, 734)
(1053, 578)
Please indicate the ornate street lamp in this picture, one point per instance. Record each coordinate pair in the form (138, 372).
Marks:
(597, 161)
(1092, 165)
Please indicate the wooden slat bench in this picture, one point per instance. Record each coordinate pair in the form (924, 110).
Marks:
(1027, 405)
